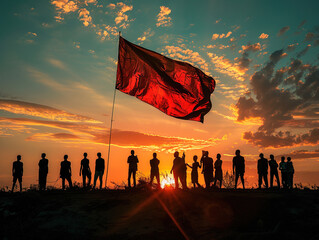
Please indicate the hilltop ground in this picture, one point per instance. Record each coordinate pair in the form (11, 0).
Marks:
(166, 214)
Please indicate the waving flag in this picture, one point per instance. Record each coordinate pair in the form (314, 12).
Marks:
(174, 87)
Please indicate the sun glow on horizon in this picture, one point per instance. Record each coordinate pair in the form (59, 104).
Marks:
(167, 181)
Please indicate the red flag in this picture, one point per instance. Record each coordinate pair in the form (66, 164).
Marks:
(174, 87)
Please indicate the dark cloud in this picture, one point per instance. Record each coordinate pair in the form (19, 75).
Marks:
(302, 24)
(302, 154)
(303, 51)
(286, 97)
(282, 139)
(283, 31)
(309, 36)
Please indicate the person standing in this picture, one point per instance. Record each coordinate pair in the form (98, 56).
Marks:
(239, 168)
(155, 170)
(132, 161)
(273, 171)
(194, 173)
(283, 169)
(43, 172)
(17, 172)
(65, 172)
(99, 169)
(177, 169)
(218, 171)
(262, 168)
(208, 169)
(85, 170)
(290, 173)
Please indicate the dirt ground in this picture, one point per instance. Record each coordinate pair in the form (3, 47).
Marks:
(165, 214)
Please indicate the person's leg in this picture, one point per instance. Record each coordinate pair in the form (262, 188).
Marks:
(95, 178)
(221, 181)
(292, 180)
(134, 178)
(44, 181)
(176, 180)
(207, 181)
(242, 180)
(266, 179)
(63, 183)
(101, 180)
(152, 178)
(129, 178)
(20, 183)
(69, 181)
(271, 179)
(158, 180)
(14, 183)
(89, 176)
(236, 179)
(84, 179)
(259, 180)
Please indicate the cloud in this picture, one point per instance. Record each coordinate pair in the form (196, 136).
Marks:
(84, 16)
(219, 46)
(121, 16)
(283, 98)
(42, 111)
(283, 30)
(250, 48)
(225, 66)
(309, 36)
(98, 134)
(57, 63)
(223, 35)
(187, 55)
(263, 36)
(64, 7)
(303, 51)
(162, 18)
(292, 47)
(302, 154)
(147, 34)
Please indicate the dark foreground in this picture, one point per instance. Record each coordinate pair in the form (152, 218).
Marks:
(119, 214)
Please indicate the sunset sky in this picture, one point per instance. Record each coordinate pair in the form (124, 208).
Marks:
(58, 67)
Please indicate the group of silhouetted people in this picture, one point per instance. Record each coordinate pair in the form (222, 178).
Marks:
(65, 171)
(286, 168)
(179, 170)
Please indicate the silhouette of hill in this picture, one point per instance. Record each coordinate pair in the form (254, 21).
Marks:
(167, 214)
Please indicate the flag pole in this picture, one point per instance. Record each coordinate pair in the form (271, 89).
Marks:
(110, 134)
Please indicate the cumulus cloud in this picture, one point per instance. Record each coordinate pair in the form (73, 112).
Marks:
(187, 55)
(282, 98)
(223, 35)
(250, 48)
(85, 17)
(263, 36)
(42, 111)
(121, 16)
(283, 30)
(225, 66)
(147, 34)
(163, 18)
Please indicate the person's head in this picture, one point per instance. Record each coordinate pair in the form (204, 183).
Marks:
(43, 155)
(66, 157)
(176, 154)
(288, 159)
(282, 158)
(99, 154)
(237, 152)
(218, 156)
(132, 152)
(19, 157)
(195, 158)
(154, 155)
(261, 155)
(85, 154)
(271, 157)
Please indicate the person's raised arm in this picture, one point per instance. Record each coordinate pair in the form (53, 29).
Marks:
(189, 165)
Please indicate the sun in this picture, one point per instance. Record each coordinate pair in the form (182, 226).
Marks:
(167, 181)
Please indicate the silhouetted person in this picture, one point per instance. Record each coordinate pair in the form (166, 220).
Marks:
(262, 168)
(194, 173)
(43, 172)
(85, 170)
(239, 168)
(99, 169)
(290, 173)
(17, 172)
(273, 171)
(65, 172)
(178, 170)
(208, 169)
(218, 171)
(132, 161)
(155, 170)
(283, 169)
(184, 172)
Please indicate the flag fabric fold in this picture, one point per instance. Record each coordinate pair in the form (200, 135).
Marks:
(174, 87)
